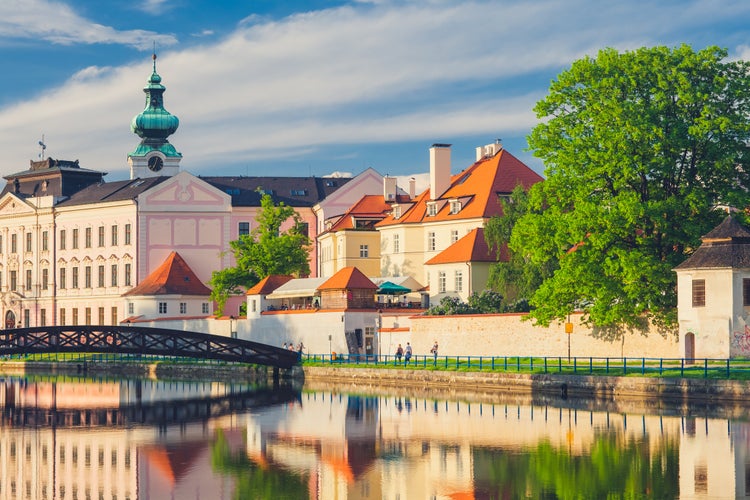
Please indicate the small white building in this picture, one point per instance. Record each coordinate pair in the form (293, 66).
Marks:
(713, 295)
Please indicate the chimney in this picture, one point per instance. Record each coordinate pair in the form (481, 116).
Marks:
(412, 188)
(389, 188)
(480, 153)
(440, 169)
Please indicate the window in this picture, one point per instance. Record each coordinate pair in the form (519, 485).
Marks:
(1, 243)
(114, 236)
(431, 209)
(131, 308)
(746, 292)
(396, 244)
(42, 317)
(75, 316)
(28, 280)
(441, 282)
(114, 275)
(299, 192)
(204, 308)
(101, 316)
(127, 234)
(183, 307)
(244, 228)
(454, 235)
(699, 293)
(88, 315)
(459, 278)
(26, 318)
(100, 277)
(75, 277)
(114, 315)
(62, 315)
(101, 236)
(162, 308)
(13, 281)
(431, 241)
(62, 239)
(455, 206)
(87, 277)
(28, 242)
(45, 279)
(74, 236)
(253, 305)
(127, 274)
(45, 241)
(13, 243)
(364, 251)
(63, 281)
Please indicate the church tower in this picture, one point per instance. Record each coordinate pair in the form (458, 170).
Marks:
(154, 156)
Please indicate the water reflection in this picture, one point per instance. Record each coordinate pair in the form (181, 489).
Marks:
(128, 439)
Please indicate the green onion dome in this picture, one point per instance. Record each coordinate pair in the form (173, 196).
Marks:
(154, 122)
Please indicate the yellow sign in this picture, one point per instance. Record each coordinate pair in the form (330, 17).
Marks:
(568, 328)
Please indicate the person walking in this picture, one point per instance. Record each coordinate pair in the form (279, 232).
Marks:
(407, 354)
(399, 353)
(434, 352)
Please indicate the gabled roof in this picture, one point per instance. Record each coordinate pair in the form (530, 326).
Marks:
(269, 284)
(173, 277)
(476, 188)
(348, 278)
(725, 246)
(292, 191)
(370, 207)
(470, 248)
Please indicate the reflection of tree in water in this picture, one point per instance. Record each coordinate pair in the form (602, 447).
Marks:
(253, 481)
(613, 469)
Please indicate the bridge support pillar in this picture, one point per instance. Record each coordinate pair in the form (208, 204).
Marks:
(275, 376)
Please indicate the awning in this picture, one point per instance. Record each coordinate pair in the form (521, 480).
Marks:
(388, 288)
(300, 287)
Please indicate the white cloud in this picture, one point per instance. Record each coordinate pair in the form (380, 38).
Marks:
(57, 23)
(369, 73)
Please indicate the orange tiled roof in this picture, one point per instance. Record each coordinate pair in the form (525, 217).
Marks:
(173, 277)
(470, 248)
(477, 189)
(269, 284)
(370, 206)
(348, 278)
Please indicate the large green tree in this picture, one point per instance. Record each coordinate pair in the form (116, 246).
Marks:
(639, 149)
(513, 276)
(266, 250)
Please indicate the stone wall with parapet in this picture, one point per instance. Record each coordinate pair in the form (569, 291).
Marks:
(511, 335)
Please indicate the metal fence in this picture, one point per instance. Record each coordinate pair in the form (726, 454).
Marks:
(663, 367)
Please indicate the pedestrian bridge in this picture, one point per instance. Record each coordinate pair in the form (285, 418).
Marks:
(142, 340)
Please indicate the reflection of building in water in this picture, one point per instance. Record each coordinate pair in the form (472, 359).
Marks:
(77, 457)
(385, 447)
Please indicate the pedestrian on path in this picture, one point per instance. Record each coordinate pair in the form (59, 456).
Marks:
(407, 355)
(434, 352)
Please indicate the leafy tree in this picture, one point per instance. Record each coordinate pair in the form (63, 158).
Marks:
(264, 251)
(639, 148)
(484, 302)
(514, 278)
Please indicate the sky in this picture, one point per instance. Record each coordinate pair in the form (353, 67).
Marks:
(311, 88)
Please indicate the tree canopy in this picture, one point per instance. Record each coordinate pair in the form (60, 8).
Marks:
(639, 148)
(266, 250)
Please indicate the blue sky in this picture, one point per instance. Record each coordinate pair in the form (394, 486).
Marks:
(299, 88)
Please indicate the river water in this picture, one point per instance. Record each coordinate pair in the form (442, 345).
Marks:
(85, 438)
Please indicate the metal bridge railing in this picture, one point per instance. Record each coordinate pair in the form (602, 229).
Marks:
(662, 367)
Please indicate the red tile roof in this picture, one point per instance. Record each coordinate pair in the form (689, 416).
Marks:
(477, 189)
(173, 277)
(348, 278)
(269, 284)
(470, 248)
(371, 206)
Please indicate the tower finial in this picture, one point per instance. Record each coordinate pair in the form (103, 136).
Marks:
(153, 56)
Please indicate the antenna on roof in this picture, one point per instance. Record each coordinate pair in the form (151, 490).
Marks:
(43, 147)
(153, 56)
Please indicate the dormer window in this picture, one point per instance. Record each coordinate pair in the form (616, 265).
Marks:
(396, 211)
(455, 206)
(299, 192)
(431, 209)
